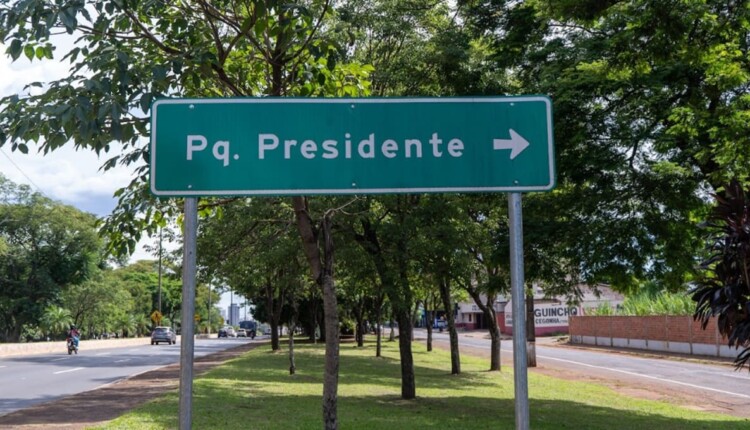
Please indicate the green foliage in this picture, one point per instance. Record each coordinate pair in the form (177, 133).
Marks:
(56, 321)
(47, 247)
(603, 309)
(647, 97)
(645, 304)
(263, 48)
(660, 304)
(723, 289)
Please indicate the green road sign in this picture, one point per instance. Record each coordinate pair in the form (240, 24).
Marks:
(298, 146)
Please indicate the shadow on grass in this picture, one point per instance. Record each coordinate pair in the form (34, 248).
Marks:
(255, 391)
(391, 413)
(265, 366)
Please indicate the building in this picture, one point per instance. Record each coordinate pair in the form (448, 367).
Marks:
(550, 314)
(234, 314)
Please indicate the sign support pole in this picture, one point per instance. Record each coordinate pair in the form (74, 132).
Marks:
(519, 311)
(188, 311)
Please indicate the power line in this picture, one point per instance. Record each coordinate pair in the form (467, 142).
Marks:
(23, 173)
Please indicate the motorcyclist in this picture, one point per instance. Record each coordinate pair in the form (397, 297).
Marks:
(74, 334)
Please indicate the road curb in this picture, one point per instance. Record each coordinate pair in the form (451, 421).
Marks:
(34, 348)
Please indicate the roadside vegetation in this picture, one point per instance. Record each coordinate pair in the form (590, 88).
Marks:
(651, 109)
(54, 271)
(643, 304)
(257, 392)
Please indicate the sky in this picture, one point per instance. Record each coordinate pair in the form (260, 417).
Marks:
(66, 175)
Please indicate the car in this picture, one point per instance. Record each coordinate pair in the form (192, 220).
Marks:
(163, 334)
(241, 333)
(227, 331)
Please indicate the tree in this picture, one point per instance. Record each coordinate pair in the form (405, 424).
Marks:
(723, 289)
(199, 49)
(55, 321)
(243, 245)
(48, 247)
(401, 40)
(488, 275)
(384, 230)
(647, 100)
(90, 303)
(443, 254)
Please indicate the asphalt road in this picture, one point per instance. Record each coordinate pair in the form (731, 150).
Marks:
(719, 381)
(29, 380)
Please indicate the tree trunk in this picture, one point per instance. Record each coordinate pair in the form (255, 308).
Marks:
(314, 320)
(292, 328)
(392, 335)
(379, 329)
(445, 296)
(359, 313)
(322, 271)
(429, 318)
(495, 347)
(273, 318)
(275, 344)
(292, 366)
(330, 308)
(488, 311)
(379, 325)
(530, 331)
(408, 381)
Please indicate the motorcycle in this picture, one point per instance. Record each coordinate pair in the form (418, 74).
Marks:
(72, 345)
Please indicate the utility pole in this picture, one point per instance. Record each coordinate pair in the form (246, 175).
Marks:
(160, 253)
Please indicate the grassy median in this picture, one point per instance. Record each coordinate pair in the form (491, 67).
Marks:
(257, 392)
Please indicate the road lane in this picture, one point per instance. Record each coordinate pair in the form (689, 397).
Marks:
(30, 380)
(720, 380)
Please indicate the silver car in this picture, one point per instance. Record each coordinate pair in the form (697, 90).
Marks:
(163, 334)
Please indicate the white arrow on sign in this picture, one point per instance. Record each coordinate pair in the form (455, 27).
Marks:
(516, 143)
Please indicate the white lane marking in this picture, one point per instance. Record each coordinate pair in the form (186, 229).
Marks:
(121, 361)
(2, 367)
(103, 353)
(69, 370)
(743, 376)
(645, 376)
(59, 359)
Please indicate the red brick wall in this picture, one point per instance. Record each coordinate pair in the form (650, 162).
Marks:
(655, 327)
(678, 328)
(661, 328)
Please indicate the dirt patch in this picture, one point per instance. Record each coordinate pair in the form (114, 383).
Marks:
(98, 406)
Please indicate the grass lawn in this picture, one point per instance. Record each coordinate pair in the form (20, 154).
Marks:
(257, 392)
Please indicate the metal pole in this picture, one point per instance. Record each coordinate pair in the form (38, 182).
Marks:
(188, 312)
(519, 312)
(208, 330)
(160, 238)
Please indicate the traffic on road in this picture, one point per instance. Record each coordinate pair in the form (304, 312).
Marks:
(33, 379)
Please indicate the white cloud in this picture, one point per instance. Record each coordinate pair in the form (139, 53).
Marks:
(70, 176)
(67, 175)
(16, 75)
